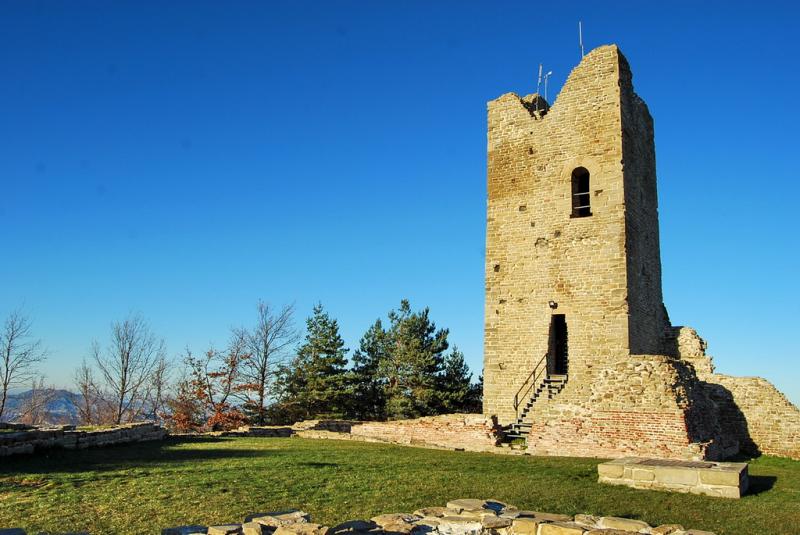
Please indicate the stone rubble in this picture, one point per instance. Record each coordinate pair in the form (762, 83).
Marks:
(459, 517)
(28, 440)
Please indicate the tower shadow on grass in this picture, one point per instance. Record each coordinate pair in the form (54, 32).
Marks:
(123, 457)
(760, 484)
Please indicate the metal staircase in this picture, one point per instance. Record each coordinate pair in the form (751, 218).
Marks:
(538, 383)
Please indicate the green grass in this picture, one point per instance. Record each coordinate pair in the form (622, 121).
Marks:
(142, 488)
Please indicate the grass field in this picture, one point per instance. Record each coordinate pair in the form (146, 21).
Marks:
(140, 489)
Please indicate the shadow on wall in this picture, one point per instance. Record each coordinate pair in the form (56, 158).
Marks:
(731, 418)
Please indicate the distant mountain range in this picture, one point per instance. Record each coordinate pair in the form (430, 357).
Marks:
(61, 409)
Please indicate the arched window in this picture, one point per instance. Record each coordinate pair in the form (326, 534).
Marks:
(581, 200)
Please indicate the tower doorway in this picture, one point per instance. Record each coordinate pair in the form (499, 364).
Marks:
(558, 350)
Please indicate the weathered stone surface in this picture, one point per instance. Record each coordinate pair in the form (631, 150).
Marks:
(587, 520)
(254, 528)
(525, 526)
(561, 528)
(495, 522)
(306, 528)
(666, 529)
(394, 518)
(627, 524)
(353, 526)
(610, 470)
(459, 525)
(432, 511)
(550, 517)
(729, 478)
(466, 504)
(279, 518)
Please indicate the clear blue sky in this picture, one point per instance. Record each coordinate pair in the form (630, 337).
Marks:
(184, 159)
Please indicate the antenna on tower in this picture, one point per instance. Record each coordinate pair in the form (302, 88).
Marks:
(546, 77)
(538, 83)
(580, 36)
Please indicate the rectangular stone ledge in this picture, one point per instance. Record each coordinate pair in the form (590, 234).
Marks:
(725, 480)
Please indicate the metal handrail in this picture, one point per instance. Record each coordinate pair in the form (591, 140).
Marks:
(532, 379)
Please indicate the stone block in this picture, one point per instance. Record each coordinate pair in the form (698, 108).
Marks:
(306, 528)
(525, 526)
(666, 529)
(723, 476)
(352, 526)
(254, 528)
(495, 522)
(562, 528)
(467, 504)
(642, 475)
(727, 480)
(432, 511)
(625, 524)
(676, 475)
(279, 518)
(610, 470)
(459, 525)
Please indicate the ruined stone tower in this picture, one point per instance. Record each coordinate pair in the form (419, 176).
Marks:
(579, 354)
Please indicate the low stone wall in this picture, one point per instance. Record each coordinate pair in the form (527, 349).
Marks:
(67, 437)
(467, 432)
(459, 517)
(757, 414)
(751, 410)
(725, 480)
(645, 405)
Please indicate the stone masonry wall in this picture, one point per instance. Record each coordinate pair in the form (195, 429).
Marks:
(66, 437)
(648, 405)
(647, 318)
(536, 252)
(468, 432)
(751, 410)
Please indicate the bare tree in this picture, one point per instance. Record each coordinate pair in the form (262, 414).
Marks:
(34, 408)
(268, 343)
(88, 410)
(126, 367)
(156, 401)
(20, 355)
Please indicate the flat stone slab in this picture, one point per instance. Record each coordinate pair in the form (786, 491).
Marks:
(725, 480)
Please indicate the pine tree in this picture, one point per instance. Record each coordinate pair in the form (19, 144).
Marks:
(369, 401)
(456, 391)
(316, 383)
(413, 363)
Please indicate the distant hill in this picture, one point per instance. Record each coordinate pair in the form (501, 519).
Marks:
(61, 409)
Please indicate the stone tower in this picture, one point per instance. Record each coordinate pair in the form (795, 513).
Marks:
(573, 273)
(579, 356)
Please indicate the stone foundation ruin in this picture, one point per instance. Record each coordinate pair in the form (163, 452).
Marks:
(459, 517)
